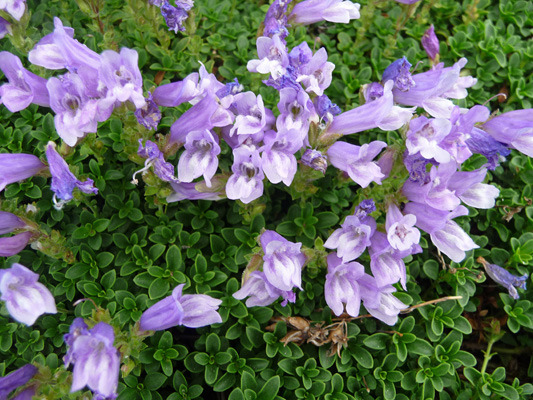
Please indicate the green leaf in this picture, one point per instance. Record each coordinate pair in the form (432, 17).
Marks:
(270, 389)
(212, 344)
(377, 341)
(77, 271)
(158, 288)
(173, 257)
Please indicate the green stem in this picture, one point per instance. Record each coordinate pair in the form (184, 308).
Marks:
(488, 356)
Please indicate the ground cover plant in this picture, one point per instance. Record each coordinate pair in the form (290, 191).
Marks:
(266, 200)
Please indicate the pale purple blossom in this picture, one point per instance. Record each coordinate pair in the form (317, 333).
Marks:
(342, 288)
(273, 57)
(316, 75)
(5, 27)
(16, 379)
(200, 157)
(353, 237)
(357, 162)
(119, 73)
(401, 233)
(296, 111)
(176, 16)
(156, 159)
(399, 73)
(76, 112)
(468, 186)
(276, 19)
(505, 278)
(148, 115)
(278, 160)
(282, 261)
(12, 245)
(251, 114)
(325, 109)
(96, 361)
(246, 183)
(64, 181)
(425, 137)
(190, 310)
(514, 128)
(17, 167)
(15, 8)
(481, 142)
(23, 87)
(386, 263)
(261, 292)
(315, 159)
(26, 299)
(430, 42)
(311, 11)
(189, 191)
(388, 307)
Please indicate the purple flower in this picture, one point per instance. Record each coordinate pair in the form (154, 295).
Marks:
(513, 128)
(26, 299)
(401, 233)
(341, 286)
(444, 233)
(386, 263)
(325, 109)
(200, 157)
(23, 87)
(120, 74)
(388, 307)
(505, 278)
(189, 191)
(246, 183)
(251, 114)
(5, 27)
(58, 50)
(77, 328)
(316, 75)
(175, 16)
(278, 160)
(311, 11)
(149, 114)
(261, 292)
(357, 162)
(64, 181)
(296, 111)
(425, 137)
(230, 89)
(75, 112)
(416, 165)
(481, 142)
(468, 187)
(154, 157)
(10, 246)
(282, 261)
(315, 159)
(96, 360)
(432, 89)
(17, 167)
(15, 8)
(399, 73)
(430, 42)
(16, 379)
(276, 19)
(273, 57)
(353, 237)
(190, 310)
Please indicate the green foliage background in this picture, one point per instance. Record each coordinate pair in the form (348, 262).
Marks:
(126, 248)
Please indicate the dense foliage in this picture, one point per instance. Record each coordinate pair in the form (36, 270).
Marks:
(126, 248)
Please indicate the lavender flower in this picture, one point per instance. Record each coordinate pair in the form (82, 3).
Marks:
(482, 143)
(76, 113)
(273, 57)
(276, 19)
(15, 8)
(246, 183)
(357, 162)
(10, 246)
(505, 278)
(120, 74)
(251, 114)
(315, 159)
(325, 109)
(17, 167)
(426, 136)
(23, 87)
(16, 379)
(5, 27)
(64, 181)
(155, 158)
(311, 11)
(513, 128)
(341, 286)
(468, 187)
(189, 191)
(386, 263)
(430, 42)
(96, 360)
(282, 261)
(175, 16)
(296, 111)
(26, 299)
(316, 75)
(261, 292)
(148, 115)
(190, 310)
(200, 157)
(353, 237)
(399, 73)
(278, 160)
(388, 308)
(401, 233)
